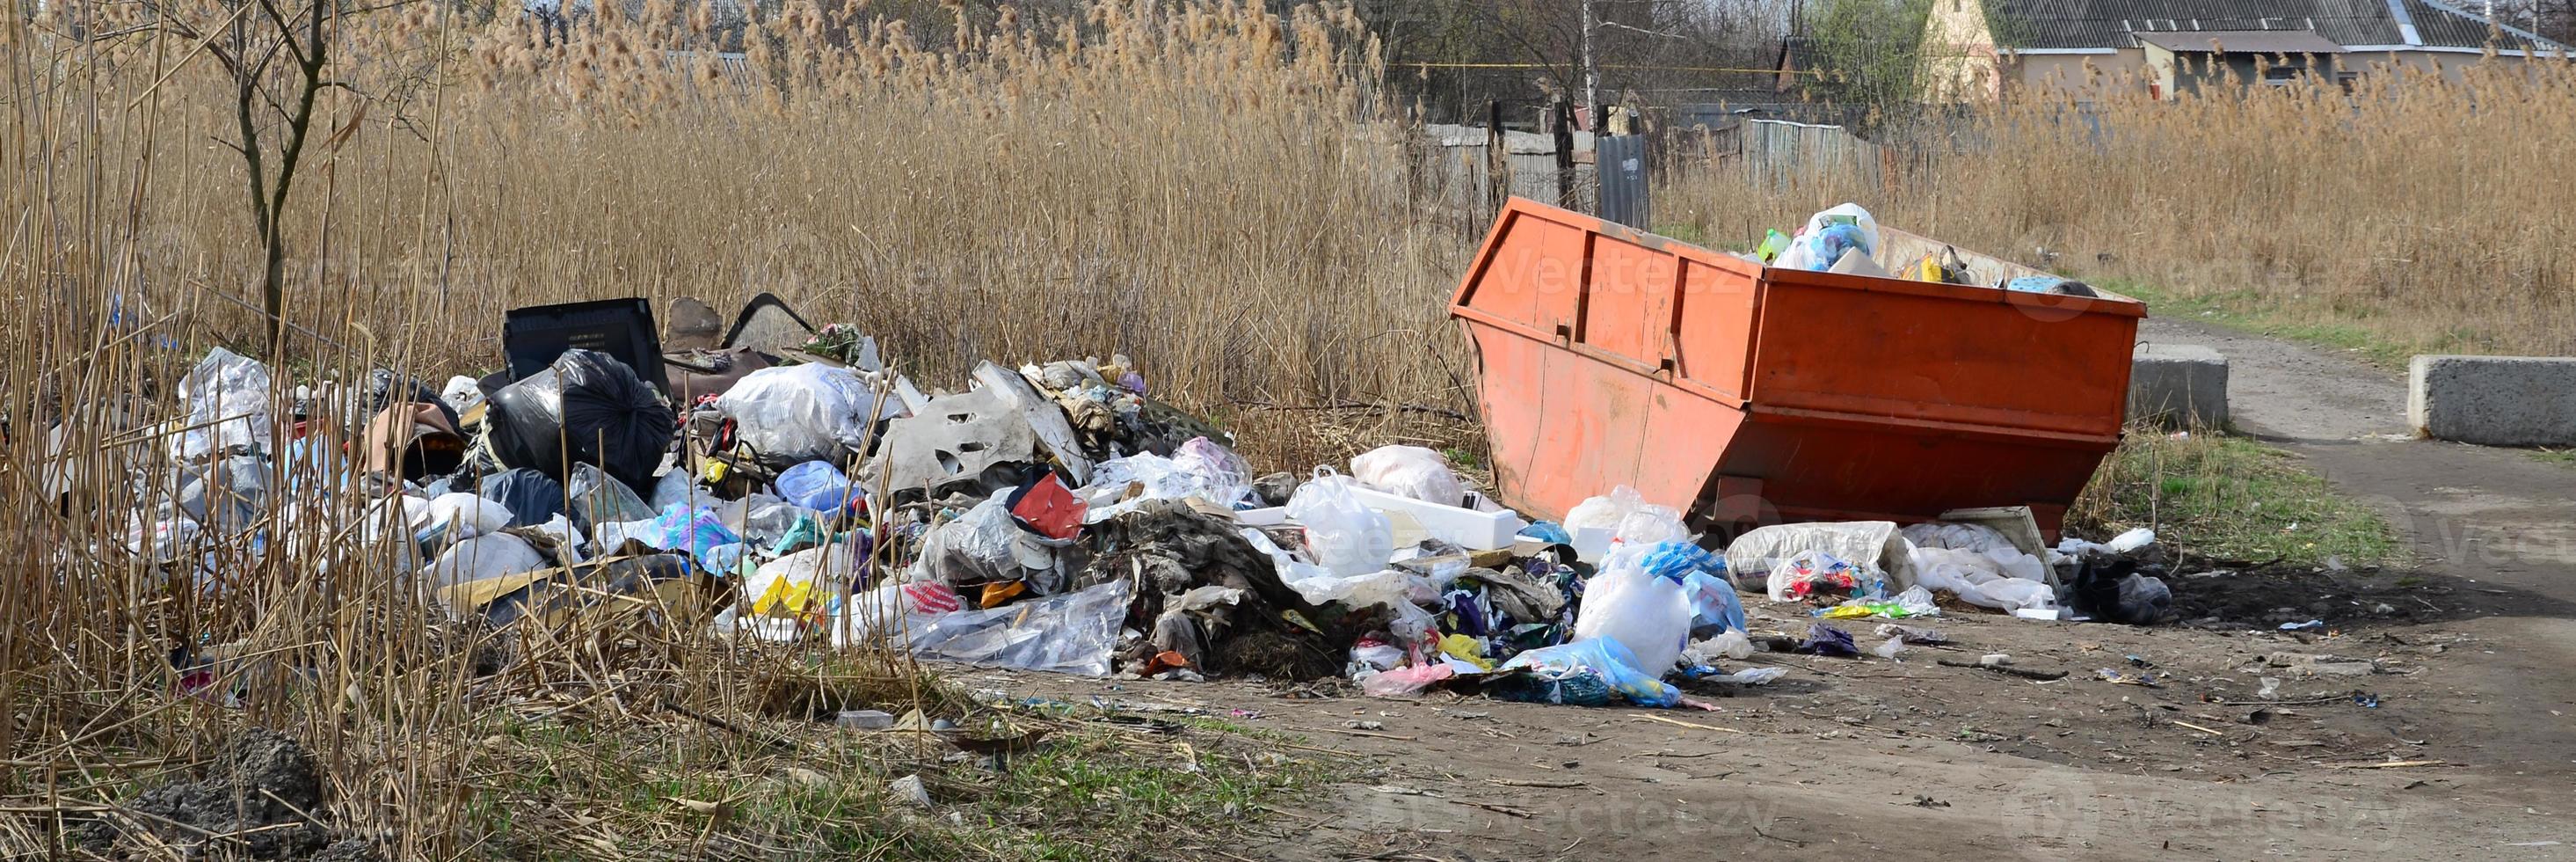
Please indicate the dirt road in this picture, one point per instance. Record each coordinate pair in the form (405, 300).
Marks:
(2459, 743)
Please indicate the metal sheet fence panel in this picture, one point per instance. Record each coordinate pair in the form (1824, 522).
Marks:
(1621, 161)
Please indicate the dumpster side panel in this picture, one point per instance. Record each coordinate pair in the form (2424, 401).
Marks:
(1939, 353)
(1565, 426)
(1531, 273)
(1816, 467)
(1715, 333)
(1628, 307)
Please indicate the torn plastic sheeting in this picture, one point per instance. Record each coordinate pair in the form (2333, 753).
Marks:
(1044, 418)
(1072, 633)
(227, 401)
(956, 441)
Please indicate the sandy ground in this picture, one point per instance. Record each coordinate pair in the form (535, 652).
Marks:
(1909, 759)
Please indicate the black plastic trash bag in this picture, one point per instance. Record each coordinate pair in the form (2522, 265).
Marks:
(533, 498)
(586, 405)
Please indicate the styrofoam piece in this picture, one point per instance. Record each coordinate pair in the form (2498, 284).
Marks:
(1466, 528)
(1592, 543)
(1264, 517)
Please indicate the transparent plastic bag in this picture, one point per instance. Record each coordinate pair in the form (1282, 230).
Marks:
(1409, 471)
(1346, 536)
(891, 612)
(974, 548)
(227, 401)
(817, 485)
(1645, 612)
(1814, 572)
(1633, 523)
(597, 499)
(810, 412)
(1072, 633)
(1225, 476)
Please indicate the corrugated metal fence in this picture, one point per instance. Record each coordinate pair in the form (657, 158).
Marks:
(1777, 155)
(1622, 169)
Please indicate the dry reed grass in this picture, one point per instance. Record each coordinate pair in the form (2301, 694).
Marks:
(1199, 185)
(2428, 215)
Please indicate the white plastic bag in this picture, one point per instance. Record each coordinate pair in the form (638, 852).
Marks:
(1647, 614)
(1348, 538)
(484, 557)
(1409, 471)
(1815, 248)
(1633, 522)
(808, 412)
(469, 515)
(1979, 580)
(227, 400)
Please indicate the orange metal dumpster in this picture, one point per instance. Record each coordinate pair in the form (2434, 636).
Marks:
(1744, 394)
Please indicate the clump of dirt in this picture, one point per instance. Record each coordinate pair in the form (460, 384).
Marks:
(258, 801)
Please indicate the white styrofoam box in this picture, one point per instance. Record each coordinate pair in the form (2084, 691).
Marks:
(1269, 517)
(1466, 528)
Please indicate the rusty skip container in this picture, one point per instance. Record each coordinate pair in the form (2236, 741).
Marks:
(1744, 394)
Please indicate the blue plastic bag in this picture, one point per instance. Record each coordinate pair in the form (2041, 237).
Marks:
(1702, 574)
(1604, 659)
(1549, 532)
(817, 485)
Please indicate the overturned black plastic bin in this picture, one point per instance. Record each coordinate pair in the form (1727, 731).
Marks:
(623, 328)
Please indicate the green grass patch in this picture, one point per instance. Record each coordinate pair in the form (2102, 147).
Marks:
(2230, 498)
(2561, 457)
(1085, 791)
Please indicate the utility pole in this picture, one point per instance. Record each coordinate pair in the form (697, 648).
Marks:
(1591, 69)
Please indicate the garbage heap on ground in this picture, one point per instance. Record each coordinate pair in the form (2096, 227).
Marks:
(1049, 517)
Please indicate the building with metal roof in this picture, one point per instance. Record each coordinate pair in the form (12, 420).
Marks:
(1977, 49)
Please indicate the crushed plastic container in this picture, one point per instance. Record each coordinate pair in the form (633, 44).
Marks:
(1748, 394)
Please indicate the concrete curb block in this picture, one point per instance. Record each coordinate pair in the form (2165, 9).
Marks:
(2493, 400)
(2178, 384)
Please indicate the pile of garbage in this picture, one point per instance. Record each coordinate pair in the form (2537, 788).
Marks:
(1049, 517)
(1847, 240)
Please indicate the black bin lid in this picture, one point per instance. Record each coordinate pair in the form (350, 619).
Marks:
(623, 328)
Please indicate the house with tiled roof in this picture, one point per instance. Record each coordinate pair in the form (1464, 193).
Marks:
(1977, 49)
